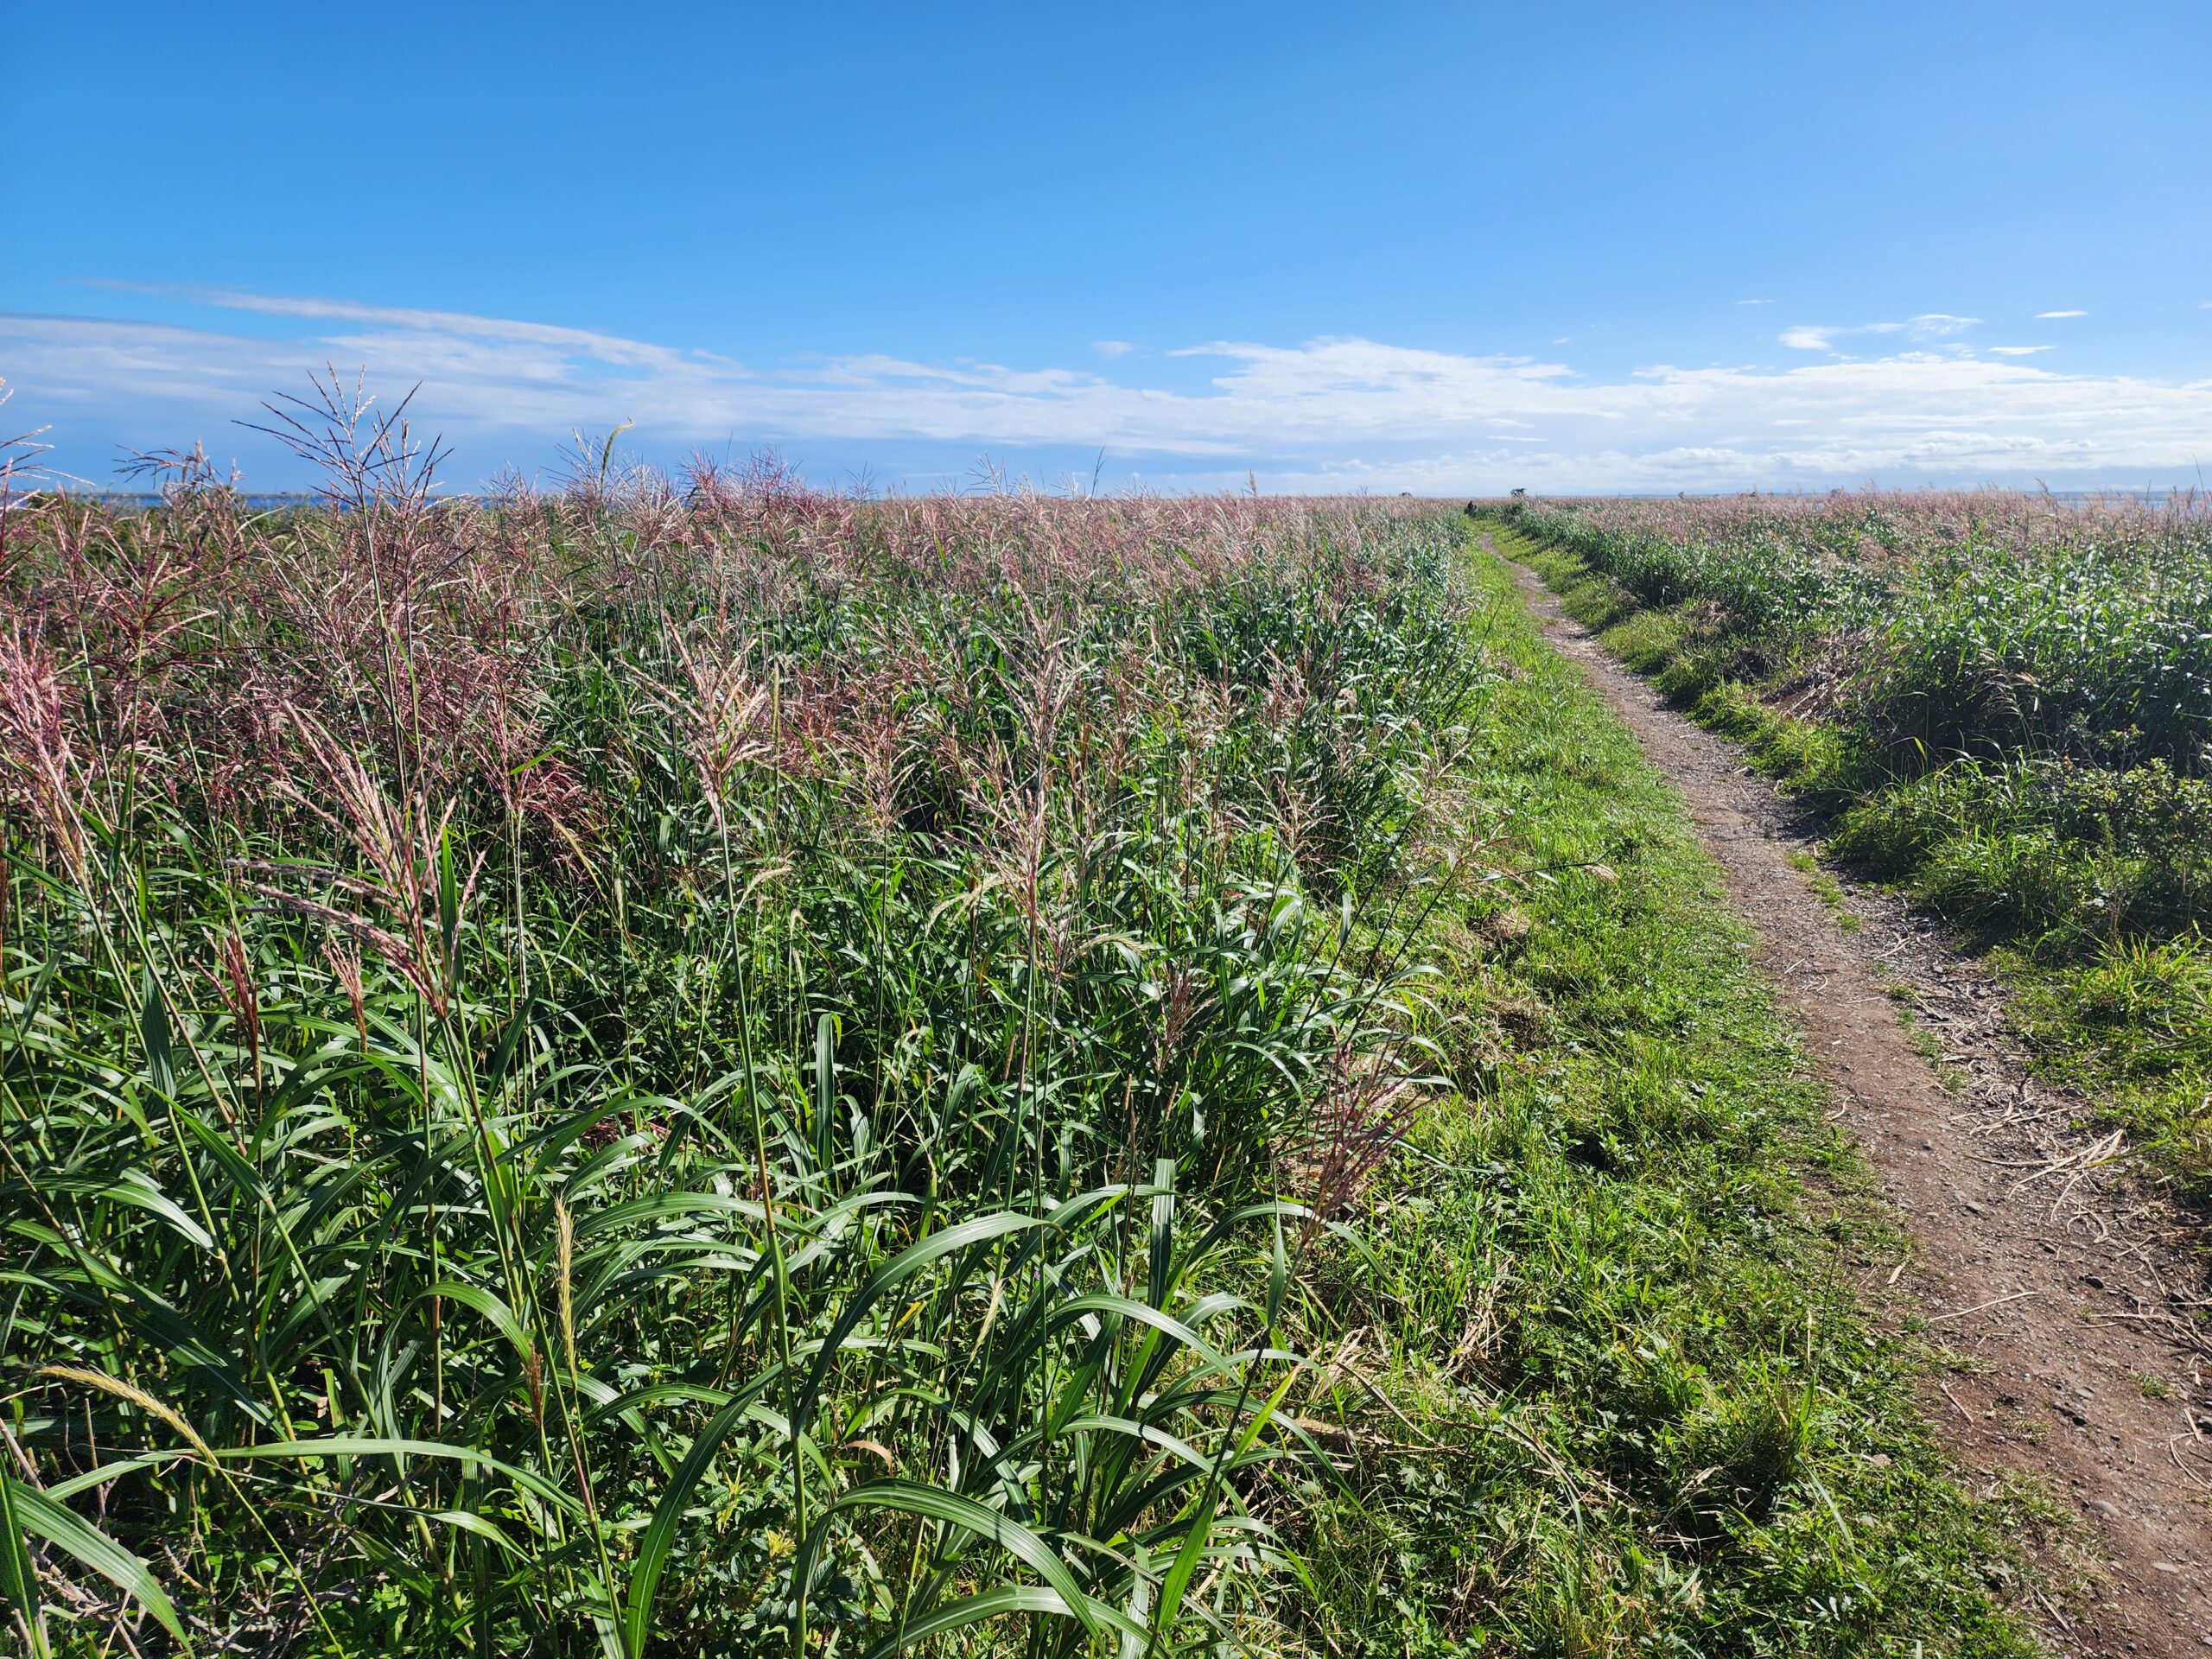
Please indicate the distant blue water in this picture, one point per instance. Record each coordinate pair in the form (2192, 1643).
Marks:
(256, 501)
(277, 500)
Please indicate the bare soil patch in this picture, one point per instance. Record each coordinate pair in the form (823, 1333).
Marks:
(2069, 1289)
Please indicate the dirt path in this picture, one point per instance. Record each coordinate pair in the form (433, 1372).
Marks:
(2068, 1291)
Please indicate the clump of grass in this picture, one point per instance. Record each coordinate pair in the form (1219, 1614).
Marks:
(2135, 1027)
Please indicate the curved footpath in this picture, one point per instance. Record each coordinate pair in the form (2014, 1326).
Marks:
(2065, 1290)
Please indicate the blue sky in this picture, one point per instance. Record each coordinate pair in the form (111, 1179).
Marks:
(1449, 249)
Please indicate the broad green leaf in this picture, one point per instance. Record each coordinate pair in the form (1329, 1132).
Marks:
(69, 1532)
(997, 1604)
(911, 1497)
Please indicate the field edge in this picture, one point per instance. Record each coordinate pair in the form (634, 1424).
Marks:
(1678, 1235)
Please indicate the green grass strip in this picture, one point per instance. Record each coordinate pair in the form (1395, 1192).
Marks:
(1607, 1384)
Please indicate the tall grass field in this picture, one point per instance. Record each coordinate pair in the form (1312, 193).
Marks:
(2007, 701)
(698, 1067)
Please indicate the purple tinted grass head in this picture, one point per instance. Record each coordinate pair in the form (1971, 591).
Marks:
(343, 954)
(177, 476)
(416, 634)
(398, 842)
(20, 476)
(40, 773)
(1361, 1120)
(368, 457)
(721, 711)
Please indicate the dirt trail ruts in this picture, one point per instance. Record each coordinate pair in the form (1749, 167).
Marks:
(2069, 1288)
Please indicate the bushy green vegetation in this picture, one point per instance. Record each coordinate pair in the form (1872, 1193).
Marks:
(2006, 700)
(724, 1070)
(577, 1067)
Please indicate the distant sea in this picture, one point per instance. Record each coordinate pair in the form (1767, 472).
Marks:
(278, 500)
(259, 501)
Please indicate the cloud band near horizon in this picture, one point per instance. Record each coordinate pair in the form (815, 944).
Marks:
(1331, 413)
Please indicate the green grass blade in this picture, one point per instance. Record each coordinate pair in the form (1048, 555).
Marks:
(62, 1528)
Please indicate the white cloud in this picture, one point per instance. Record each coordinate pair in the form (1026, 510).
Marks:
(1112, 348)
(2045, 316)
(607, 349)
(1755, 302)
(1332, 412)
(1929, 325)
(2018, 351)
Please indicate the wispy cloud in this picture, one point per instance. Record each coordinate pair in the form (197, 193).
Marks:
(1755, 302)
(2018, 351)
(1330, 412)
(607, 349)
(1112, 348)
(2045, 316)
(1929, 325)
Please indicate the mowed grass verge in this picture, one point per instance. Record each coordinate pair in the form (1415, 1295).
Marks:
(1622, 1396)
(2082, 882)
